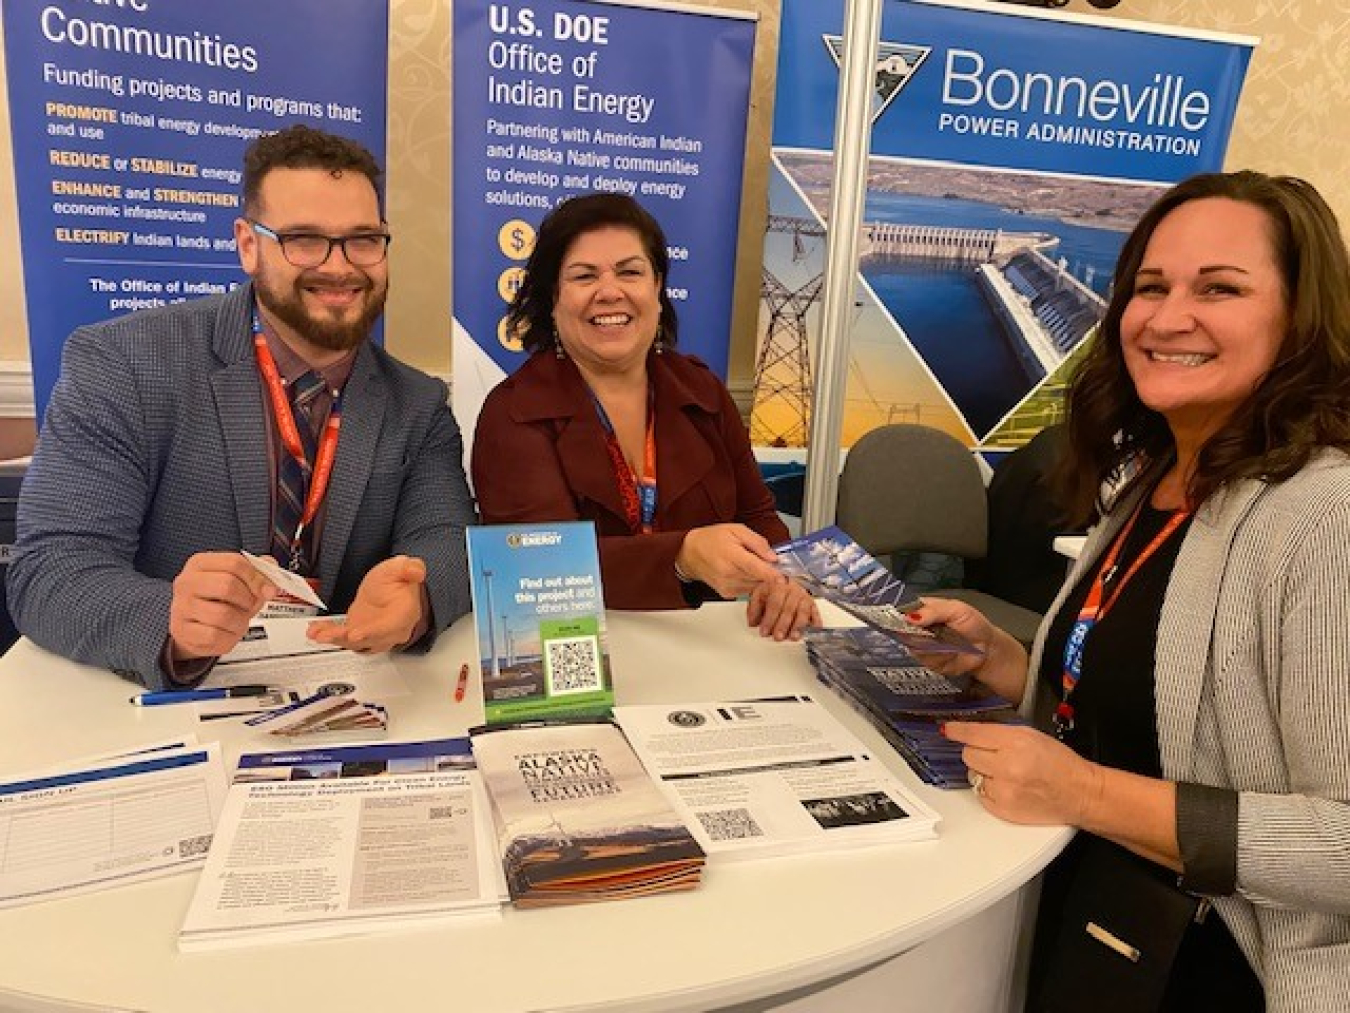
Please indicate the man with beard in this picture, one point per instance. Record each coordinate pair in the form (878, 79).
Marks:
(262, 419)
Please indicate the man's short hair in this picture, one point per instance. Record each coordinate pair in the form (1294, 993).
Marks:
(303, 147)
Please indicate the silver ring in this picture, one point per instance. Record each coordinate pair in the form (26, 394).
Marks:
(977, 783)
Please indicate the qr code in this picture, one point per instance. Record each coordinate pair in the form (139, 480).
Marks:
(572, 664)
(730, 824)
(193, 847)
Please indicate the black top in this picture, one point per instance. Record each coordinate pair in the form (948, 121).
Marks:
(1115, 725)
(1113, 702)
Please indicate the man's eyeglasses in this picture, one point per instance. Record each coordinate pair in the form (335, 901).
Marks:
(311, 249)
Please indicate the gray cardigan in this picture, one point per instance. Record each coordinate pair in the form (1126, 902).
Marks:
(1252, 684)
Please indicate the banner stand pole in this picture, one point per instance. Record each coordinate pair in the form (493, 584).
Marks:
(852, 139)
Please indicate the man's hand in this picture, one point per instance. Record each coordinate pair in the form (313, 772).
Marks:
(781, 608)
(214, 597)
(389, 606)
(729, 558)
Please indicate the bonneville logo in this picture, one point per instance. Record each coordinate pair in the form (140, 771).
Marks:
(897, 62)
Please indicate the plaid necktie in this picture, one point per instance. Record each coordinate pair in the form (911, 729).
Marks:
(293, 475)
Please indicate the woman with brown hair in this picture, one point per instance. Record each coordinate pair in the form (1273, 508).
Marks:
(1193, 676)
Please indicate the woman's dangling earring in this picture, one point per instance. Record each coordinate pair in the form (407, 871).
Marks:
(660, 345)
(558, 350)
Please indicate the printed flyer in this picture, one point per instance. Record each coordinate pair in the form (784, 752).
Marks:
(539, 612)
(764, 778)
(316, 843)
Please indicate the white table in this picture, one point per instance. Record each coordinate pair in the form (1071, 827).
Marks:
(931, 925)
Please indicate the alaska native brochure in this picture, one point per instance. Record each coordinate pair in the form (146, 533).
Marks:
(578, 818)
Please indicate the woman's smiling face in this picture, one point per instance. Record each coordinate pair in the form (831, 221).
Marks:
(1208, 314)
(607, 307)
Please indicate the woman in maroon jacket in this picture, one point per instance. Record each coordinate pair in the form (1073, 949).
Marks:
(606, 422)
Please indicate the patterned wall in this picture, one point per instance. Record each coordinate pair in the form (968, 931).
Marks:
(1294, 117)
(417, 326)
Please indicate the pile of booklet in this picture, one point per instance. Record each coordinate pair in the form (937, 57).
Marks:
(873, 667)
(578, 818)
(906, 701)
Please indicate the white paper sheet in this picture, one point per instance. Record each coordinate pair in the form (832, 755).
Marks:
(107, 823)
(760, 778)
(326, 842)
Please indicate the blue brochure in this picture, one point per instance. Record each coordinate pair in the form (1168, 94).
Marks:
(833, 566)
(905, 701)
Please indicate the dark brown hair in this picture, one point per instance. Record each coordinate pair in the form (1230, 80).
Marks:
(302, 147)
(1301, 404)
(531, 314)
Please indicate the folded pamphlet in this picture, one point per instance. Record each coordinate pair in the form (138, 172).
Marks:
(831, 565)
(578, 818)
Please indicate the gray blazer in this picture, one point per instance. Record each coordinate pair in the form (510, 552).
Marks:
(1252, 681)
(155, 447)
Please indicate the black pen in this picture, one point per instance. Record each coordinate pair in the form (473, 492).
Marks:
(196, 695)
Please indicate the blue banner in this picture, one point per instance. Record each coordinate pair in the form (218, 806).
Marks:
(555, 98)
(1016, 90)
(130, 121)
(1011, 152)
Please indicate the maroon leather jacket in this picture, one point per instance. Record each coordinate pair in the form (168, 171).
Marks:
(539, 455)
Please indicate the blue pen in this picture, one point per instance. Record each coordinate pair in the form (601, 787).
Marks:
(195, 695)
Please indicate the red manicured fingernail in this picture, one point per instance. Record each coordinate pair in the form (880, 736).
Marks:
(942, 728)
(914, 616)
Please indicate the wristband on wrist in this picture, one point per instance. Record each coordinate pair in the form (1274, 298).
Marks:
(683, 577)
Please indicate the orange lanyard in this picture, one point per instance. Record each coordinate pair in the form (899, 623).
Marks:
(290, 434)
(1098, 602)
(641, 488)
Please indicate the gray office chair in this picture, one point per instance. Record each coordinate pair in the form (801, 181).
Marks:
(1025, 517)
(909, 488)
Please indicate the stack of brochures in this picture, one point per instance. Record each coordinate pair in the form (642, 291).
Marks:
(762, 778)
(906, 701)
(323, 714)
(578, 818)
(326, 842)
